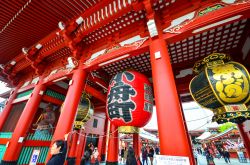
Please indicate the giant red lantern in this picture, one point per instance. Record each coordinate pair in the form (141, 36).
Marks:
(129, 101)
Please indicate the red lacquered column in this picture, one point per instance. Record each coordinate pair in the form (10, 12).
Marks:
(80, 146)
(69, 109)
(136, 145)
(113, 146)
(245, 138)
(104, 142)
(73, 147)
(172, 133)
(15, 145)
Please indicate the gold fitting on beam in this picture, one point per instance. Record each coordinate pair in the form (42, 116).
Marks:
(128, 129)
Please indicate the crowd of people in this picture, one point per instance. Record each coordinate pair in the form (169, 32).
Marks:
(210, 155)
(91, 156)
(45, 124)
(128, 156)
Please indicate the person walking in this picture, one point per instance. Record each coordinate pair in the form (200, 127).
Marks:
(226, 156)
(157, 150)
(195, 155)
(94, 157)
(91, 148)
(122, 155)
(86, 158)
(151, 154)
(131, 159)
(209, 157)
(144, 156)
(125, 154)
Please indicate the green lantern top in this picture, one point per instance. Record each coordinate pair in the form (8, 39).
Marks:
(210, 61)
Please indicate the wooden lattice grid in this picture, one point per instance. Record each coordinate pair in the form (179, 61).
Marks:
(221, 39)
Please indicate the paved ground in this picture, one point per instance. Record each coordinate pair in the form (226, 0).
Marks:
(221, 161)
(202, 161)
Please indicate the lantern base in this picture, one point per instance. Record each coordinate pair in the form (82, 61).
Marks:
(128, 129)
(231, 113)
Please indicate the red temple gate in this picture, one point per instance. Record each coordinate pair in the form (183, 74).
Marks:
(77, 46)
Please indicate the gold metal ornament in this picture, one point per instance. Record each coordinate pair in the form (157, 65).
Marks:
(128, 129)
(85, 111)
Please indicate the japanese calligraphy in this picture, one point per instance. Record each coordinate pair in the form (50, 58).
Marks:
(120, 104)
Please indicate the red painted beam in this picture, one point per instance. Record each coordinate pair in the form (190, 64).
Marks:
(4, 141)
(37, 143)
(26, 88)
(58, 89)
(99, 82)
(96, 93)
(132, 51)
(52, 100)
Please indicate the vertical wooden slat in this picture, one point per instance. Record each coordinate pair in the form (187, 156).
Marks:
(41, 153)
(27, 158)
(23, 152)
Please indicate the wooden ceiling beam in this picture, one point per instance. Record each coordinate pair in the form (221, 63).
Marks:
(96, 93)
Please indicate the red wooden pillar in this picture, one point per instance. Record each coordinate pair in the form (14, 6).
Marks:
(245, 138)
(80, 146)
(73, 147)
(69, 109)
(113, 146)
(6, 111)
(104, 142)
(136, 144)
(15, 145)
(173, 136)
